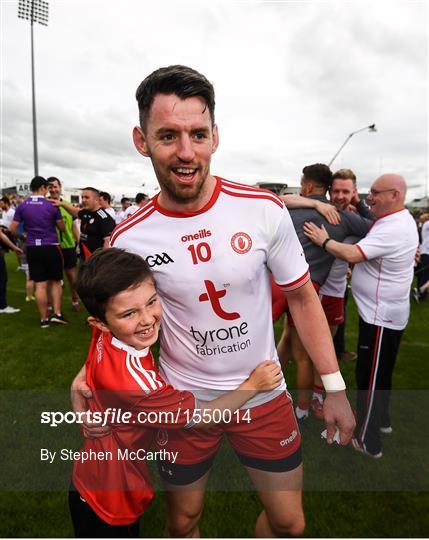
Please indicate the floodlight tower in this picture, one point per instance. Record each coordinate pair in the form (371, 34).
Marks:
(370, 128)
(34, 11)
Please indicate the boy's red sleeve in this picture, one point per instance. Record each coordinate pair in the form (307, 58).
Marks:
(166, 408)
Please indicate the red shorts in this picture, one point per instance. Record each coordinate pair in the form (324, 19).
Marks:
(289, 316)
(278, 301)
(333, 308)
(266, 432)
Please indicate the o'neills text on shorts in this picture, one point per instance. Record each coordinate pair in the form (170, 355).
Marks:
(121, 454)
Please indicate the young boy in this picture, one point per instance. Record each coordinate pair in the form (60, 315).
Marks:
(112, 487)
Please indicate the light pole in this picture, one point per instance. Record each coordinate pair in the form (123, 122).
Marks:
(370, 128)
(34, 11)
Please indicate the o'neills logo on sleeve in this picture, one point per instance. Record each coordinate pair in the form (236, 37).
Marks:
(99, 348)
(202, 233)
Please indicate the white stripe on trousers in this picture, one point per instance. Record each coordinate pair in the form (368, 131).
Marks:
(372, 390)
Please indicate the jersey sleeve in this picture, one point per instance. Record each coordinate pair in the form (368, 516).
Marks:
(356, 225)
(18, 214)
(379, 242)
(286, 258)
(107, 225)
(167, 408)
(364, 211)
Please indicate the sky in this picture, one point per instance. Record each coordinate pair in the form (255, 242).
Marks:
(292, 80)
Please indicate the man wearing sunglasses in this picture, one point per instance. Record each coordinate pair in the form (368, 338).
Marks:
(381, 285)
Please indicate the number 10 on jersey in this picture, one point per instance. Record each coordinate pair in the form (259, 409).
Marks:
(200, 252)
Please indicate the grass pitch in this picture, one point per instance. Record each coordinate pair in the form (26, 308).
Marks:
(346, 494)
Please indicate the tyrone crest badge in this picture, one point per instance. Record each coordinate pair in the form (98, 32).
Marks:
(241, 243)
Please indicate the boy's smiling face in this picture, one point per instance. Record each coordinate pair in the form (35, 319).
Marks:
(133, 316)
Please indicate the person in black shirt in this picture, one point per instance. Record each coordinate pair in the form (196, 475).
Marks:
(96, 225)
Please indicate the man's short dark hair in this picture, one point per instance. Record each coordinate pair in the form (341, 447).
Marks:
(318, 173)
(182, 81)
(344, 174)
(95, 190)
(106, 273)
(53, 179)
(124, 200)
(37, 183)
(106, 196)
(141, 197)
(6, 200)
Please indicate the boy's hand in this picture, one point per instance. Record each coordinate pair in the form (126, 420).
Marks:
(80, 392)
(266, 376)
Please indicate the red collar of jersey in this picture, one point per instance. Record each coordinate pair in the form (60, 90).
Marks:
(211, 202)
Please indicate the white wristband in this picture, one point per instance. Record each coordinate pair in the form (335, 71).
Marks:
(333, 382)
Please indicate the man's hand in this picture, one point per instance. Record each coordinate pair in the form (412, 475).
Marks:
(329, 212)
(316, 234)
(55, 202)
(80, 393)
(338, 413)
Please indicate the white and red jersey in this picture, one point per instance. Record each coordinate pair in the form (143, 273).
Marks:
(336, 282)
(424, 246)
(127, 380)
(212, 270)
(381, 284)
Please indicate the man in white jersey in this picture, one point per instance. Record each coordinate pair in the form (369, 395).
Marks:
(140, 201)
(423, 268)
(381, 286)
(211, 244)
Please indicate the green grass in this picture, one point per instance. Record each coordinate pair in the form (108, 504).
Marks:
(347, 495)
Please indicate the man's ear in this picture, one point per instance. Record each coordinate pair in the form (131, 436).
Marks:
(93, 321)
(215, 138)
(139, 139)
(309, 187)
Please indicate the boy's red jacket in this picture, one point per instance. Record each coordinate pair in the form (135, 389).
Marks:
(125, 379)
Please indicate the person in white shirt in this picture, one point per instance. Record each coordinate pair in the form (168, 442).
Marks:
(381, 284)
(211, 244)
(140, 201)
(105, 201)
(423, 268)
(121, 214)
(7, 212)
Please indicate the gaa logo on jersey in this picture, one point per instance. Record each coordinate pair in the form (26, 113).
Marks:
(157, 259)
(241, 243)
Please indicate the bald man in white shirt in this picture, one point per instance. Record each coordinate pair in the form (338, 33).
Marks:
(381, 285)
